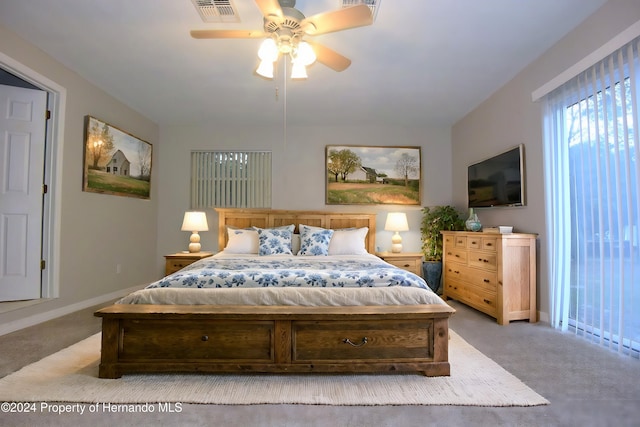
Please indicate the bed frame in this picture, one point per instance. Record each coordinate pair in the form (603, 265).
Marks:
(139, 338)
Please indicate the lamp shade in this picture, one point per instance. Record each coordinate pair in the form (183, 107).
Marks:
(396, 221)
(195, 221)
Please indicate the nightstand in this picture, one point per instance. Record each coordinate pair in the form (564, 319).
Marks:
(180, 260)
(410, 261)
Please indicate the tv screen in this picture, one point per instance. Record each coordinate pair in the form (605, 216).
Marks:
(497, 181)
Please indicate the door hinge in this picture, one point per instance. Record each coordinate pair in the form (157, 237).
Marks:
(47, 115)
(43, 264)
(44, 188)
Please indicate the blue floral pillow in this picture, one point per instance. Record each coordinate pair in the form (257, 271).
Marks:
(275, 241)
(314, 241)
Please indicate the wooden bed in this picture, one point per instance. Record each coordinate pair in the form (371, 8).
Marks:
(138, 338)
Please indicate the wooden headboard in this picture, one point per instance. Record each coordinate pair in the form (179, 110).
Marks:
(266, 218)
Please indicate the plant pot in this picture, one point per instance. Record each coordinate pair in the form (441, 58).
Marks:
(432, 274)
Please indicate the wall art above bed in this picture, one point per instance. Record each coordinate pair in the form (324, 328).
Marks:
(359, 175)
(115, 162)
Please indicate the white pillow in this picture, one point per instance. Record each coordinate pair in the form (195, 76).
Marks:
(241, 241)
(349, 241)
(295, 243)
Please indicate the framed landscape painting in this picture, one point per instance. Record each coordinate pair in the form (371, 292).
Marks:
(360, 175)
(115, 162)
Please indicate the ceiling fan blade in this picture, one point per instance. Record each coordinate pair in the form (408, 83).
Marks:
(227, 34)
(329, 57)
(270, 8)
(341, 19)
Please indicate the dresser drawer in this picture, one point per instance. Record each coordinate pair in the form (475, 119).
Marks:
(172, 339)
(490, 243)
(455, 255)
(359, 340)
(484, 260)
(472, 295)
(460, 241)
(486, 280)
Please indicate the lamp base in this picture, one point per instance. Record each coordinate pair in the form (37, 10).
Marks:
(396, 243)
(195, 245)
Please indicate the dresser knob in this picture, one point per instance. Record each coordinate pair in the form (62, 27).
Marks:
(205, 338)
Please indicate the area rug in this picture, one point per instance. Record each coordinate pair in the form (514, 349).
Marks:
(71, 375)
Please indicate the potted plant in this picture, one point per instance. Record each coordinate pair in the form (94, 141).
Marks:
(434, 220)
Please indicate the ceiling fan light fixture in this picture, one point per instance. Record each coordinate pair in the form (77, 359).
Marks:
(305, 54)
(298, 70)
(265, 69)
(268, 51)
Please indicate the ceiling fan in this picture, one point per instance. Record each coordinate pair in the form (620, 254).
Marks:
(284, 30)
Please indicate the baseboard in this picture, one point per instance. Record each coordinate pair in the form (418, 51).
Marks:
(35, 319)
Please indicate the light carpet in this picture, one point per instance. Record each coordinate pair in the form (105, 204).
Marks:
(71, 375)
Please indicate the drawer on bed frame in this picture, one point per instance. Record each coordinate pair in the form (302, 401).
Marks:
(327, 341)
(204, 340)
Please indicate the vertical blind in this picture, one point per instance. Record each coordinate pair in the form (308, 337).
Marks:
(238, 179)
(592, 181)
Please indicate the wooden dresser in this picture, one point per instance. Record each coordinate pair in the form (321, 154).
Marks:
(493, 273)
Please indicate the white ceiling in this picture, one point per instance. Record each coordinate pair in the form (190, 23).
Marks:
(422, 61)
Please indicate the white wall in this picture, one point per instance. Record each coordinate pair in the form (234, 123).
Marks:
(96, 232)
(299, 172)
(509, 117)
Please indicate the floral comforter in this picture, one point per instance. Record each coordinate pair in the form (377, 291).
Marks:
(278, 271)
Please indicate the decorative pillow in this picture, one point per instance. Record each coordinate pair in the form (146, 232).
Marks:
(349, 241)
(314, 241)
(241, 241)
(275, 241)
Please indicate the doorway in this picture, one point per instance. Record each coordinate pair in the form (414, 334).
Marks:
(51, 151)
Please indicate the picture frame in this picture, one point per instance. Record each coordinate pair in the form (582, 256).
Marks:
(115, 162)
(372, 175)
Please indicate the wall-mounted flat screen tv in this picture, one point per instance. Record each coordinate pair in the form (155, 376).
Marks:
(497, 181)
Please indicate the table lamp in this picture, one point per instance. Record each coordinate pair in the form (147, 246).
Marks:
(396, 221)
(194, 222)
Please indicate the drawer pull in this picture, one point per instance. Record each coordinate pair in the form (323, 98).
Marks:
(205, 338)
(351, 343)
(489, 244)
(487, 301)
(407, 265)
(486, 280)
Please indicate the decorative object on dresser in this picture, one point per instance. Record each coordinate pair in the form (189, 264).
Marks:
(396, 221)
(493, 273)
(410, 261)
(180, 260)
(434, 220)
(473, 223)
(194, 222)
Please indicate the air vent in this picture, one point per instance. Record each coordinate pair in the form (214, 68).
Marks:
(217, 10)
(374, 5)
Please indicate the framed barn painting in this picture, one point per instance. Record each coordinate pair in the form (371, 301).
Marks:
(115, 162)
(360, 175)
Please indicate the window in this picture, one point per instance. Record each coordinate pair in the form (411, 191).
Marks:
(239, 179)
(593, 183)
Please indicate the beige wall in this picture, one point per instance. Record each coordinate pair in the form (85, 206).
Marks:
(299, 174)
(96, 232)
(509, 117)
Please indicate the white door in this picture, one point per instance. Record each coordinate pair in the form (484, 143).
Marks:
(22, 149)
